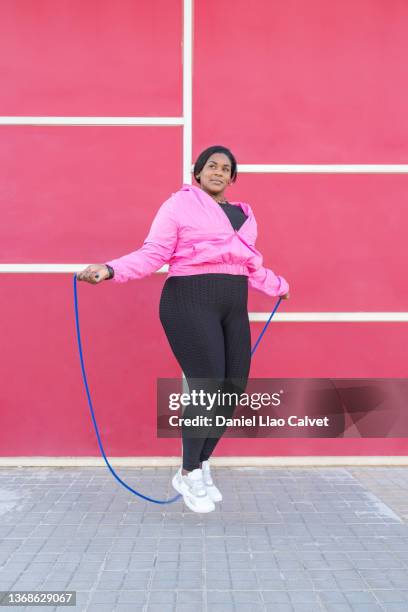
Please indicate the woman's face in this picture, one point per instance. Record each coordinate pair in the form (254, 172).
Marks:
(216, 175)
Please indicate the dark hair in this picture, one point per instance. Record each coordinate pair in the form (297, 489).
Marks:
(204, 156)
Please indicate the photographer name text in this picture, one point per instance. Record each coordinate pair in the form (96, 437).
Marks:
(255, 420)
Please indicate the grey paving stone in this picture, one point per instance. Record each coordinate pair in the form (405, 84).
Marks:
(360, 597)
(219, 597)
(105, 597)
(246, 597)
(194, 583)
(188, 597)
(331, 597)
(392, 596)
(165, 597)
(163, 584)
(131, 596)
(371, 607)
(345, 584)
(303, 597)
(250, 607)
(306, 607)
(334, 607)
(158, 608)
(277, 597)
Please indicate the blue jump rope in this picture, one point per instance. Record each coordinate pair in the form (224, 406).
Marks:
(155, 501)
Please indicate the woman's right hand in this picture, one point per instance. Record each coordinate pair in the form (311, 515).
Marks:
(95, 273)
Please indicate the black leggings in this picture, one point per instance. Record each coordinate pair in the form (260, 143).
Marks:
(205, 318)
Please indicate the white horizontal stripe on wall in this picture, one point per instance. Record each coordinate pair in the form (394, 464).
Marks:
(59, 268)
(163, 121)
(330, 317)
(324, 168)
(239, 462)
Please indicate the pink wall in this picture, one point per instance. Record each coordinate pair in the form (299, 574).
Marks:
(279, 84)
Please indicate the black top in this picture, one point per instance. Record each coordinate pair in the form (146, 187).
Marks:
(234, 213)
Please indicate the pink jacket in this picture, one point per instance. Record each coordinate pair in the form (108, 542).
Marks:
(193, 235)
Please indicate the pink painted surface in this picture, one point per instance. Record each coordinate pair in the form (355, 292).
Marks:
(82, 194)
(93, 58)
(305, 82)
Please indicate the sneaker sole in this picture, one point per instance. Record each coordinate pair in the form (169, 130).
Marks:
(215, 497)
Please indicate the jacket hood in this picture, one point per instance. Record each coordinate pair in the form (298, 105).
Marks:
(186, 187)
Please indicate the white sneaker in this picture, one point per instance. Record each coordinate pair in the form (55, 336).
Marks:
(193, 490)
(213, 492)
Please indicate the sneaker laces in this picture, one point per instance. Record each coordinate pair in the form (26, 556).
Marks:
(197, 487)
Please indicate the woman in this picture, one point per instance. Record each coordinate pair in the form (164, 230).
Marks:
(209, 244)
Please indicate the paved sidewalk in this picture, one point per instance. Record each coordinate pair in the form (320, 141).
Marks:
(283, 539)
